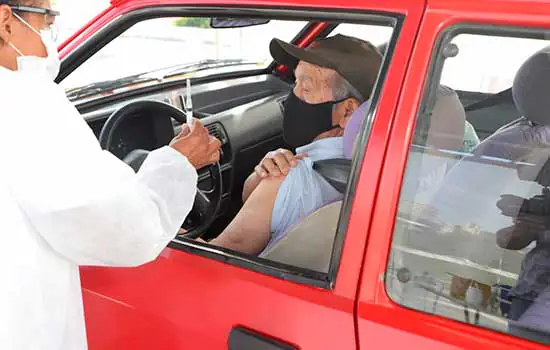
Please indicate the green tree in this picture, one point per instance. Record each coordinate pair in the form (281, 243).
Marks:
(192, 22)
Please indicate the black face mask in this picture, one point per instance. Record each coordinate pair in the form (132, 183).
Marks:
(302, 121)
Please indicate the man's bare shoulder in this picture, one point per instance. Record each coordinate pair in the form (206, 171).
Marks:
(269, 185)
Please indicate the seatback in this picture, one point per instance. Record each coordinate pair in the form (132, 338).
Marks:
(309, 244)
(440, 132)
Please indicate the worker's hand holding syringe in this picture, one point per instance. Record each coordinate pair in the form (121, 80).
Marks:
(194, 142)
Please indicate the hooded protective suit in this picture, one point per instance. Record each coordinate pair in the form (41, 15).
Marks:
(64, 203)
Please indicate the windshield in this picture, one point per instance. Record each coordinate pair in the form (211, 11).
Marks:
(157, 48)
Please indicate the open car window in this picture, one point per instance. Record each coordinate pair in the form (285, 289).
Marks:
(305, 244)
(312, 200)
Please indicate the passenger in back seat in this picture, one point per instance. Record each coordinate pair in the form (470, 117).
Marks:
(529, 142)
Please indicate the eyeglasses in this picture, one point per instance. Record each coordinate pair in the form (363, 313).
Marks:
(32, 9)
(43, 11)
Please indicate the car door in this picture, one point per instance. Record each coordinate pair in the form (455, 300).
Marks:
(434, 276)
(196, 296)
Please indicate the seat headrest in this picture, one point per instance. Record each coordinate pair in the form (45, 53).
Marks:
(352, 128)
(447, 122)
(531, 88)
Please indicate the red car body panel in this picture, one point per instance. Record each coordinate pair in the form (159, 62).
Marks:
(382, 324)
(184, 301)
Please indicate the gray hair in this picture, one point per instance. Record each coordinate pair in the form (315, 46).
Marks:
(342, 89)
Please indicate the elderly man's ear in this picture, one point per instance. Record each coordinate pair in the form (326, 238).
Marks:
(347, 108)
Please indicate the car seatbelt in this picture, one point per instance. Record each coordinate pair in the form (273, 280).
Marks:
(493, 100)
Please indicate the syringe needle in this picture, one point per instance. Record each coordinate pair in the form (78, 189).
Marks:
(188, 105)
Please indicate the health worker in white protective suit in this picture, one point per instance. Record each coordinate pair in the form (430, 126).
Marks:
(63, 201)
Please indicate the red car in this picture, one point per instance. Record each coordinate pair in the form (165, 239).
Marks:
(405, 267)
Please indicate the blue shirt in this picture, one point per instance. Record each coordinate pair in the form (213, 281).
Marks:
(303, 191)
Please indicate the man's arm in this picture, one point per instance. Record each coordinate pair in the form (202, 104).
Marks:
(250, 185)
(517, 236)
(250, 230)
(274, 163)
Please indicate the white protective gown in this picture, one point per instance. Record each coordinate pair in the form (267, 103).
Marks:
(63, 203)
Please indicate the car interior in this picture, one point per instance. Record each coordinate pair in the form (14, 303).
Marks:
(244, 110)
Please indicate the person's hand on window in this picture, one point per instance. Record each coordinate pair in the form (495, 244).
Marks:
(278, 163)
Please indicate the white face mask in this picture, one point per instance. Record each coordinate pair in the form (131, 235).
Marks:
(49, 65)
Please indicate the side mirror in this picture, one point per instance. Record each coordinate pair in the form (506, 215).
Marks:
(222, 22)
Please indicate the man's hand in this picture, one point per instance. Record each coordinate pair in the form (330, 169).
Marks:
(510, 205)
(274, 164)
(277, 163)
(526, 228)
(197, 145)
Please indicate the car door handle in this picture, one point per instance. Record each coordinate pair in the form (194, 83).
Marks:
(241, 338)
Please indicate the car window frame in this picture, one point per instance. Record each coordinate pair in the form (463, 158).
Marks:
(113, 29)
(432, 78)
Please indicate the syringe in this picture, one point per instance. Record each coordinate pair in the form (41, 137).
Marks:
(188, 105)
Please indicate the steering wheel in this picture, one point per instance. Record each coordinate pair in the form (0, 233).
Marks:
(207, 203)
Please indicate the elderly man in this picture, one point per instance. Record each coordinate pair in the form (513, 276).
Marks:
(334, 76)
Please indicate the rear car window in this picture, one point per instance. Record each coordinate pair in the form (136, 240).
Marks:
(491, 62)
(472, 234)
